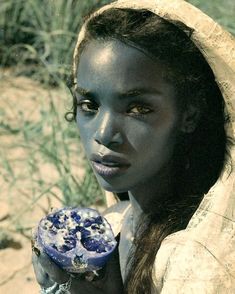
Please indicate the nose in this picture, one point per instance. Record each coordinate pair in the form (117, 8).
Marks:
(107, 133)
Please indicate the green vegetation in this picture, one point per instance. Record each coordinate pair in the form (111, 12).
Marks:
(37, 39)
(39, 35)
(41, 160)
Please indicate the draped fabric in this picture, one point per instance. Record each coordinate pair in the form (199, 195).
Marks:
(201, 258)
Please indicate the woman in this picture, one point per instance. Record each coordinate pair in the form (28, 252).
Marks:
(150, 110)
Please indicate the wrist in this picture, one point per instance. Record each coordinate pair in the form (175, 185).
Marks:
(58, 288)
(49, 290)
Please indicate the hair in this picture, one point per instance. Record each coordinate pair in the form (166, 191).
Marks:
(199, 157)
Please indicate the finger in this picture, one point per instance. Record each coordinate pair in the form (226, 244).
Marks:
(52, 269)
(42, 277)
(112, 273)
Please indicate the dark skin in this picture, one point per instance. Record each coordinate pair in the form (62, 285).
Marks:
(125, 108)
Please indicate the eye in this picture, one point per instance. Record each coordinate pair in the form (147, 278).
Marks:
(139, 110)
(88, 106)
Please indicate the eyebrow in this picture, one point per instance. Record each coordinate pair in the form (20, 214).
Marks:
(139, 92)
(129, 94)
(84, 92)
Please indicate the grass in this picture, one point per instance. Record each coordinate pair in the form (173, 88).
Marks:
(39, 35)
(37, 39)
(47, 139)
(40, 155)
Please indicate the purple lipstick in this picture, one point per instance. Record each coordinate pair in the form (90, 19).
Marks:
(109, 165)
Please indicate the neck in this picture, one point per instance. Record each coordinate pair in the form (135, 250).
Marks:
(152, 193)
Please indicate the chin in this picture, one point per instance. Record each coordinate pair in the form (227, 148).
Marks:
(111, 188)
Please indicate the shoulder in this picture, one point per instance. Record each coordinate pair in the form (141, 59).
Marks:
(184, 263)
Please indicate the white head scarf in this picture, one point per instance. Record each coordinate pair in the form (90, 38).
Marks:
(200, 259)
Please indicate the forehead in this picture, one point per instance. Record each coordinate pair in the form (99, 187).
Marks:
(120, 66)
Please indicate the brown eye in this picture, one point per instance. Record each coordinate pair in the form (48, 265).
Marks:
(139, 110)
(88, 106)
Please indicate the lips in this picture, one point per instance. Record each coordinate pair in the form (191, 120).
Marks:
(109, 160)
(109, 165)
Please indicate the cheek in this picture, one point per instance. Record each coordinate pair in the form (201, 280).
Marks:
(152, 138)
(85, 132)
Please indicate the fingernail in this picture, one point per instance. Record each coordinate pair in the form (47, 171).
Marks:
(35, 249)
(90, 276)
(32, 243)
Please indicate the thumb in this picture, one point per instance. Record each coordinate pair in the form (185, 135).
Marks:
(56, 273)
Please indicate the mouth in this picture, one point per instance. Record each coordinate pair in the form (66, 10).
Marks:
(109, 165)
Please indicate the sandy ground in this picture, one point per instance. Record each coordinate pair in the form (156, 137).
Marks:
(20, 96)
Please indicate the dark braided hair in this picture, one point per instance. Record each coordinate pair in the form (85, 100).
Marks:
(199, 157)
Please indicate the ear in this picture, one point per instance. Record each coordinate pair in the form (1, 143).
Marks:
(190, 119)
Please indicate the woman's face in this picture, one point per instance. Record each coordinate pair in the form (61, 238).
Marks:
(127, 115)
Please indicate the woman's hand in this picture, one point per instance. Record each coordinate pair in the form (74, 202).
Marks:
(47, 273)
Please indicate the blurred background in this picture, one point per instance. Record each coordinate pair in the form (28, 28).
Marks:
(41, 160)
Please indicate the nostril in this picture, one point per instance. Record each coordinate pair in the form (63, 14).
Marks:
(108, 140)
(117, 139)
(98, 141)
